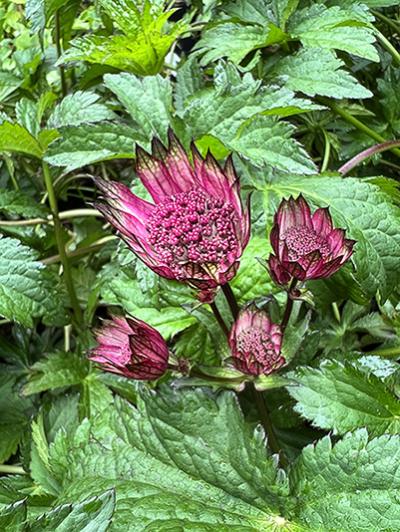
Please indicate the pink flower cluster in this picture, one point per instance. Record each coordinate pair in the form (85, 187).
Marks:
(195, 231)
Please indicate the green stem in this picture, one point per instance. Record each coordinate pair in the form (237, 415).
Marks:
(60, 243)
(65, 215)
(357, 123)
(80, 251)
(59, 53)
(357, 159)
(327, 152)
(336, 311)
(390, 352)
(12, 469)
(388, 46)
(231, 299)
(268, 426)
(387, 20)
(289, 305)
(219, 319)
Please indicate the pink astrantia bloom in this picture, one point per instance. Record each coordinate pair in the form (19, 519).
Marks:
(255, 343)
(132, 348)
(306, 246)
(196, 229)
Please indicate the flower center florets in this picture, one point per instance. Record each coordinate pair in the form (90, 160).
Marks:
(302, 240)
(257, 346)
(193, 227)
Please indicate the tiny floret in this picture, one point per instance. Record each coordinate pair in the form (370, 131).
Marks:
(306, 246)
(255, 343)
(196, 229)
(132, 348)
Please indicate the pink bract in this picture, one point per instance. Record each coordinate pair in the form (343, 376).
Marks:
(132, 348)
(196, 228)
(255, 343)
(306, 246)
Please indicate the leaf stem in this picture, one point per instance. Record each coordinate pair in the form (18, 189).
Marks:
(65, 215)
(60, 243)
(357, 159)
(219, 319)
(327, 152)
(268, 426)
(81, 251)
(231, 299)
(289, 305)
(388, 46)
(356, 123)
(390, 352)
(387, 20)
(12, 470)
(57, 37)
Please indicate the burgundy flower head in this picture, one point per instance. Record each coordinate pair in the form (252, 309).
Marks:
(196, 229)
(255, 343)
(131, 348)
(306, 246)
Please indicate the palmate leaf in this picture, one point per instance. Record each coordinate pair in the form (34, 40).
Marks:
(353, 485)
(344, 398)
(28, 289)
(183, 459)
(79, 108)
(370, 218)
(141, 48)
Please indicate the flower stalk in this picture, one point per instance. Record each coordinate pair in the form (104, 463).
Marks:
(219, 318)
(365, 154)
(60, 244)
(231, 299)
(289, 305)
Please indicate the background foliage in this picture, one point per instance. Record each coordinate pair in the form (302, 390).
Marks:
(293, 89)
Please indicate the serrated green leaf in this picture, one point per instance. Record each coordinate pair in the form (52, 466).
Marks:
(184, 455)
(14, 416)
(15, 138)
(267, 141)
(142, 47)
(56, 371)
(13, 516)
(79, 108)
(335, 28)
(235, 40)
(16, 202)
(343, 398)
(353, 485)
(27, 288)
(318, 71)
(369, 216)
(88, 144)
(125, 291)
(93, 514)
(147, 100)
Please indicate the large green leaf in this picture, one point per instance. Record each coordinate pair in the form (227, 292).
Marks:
(141, 48)
(370, 218)
(88, 144)
(13, 517)
(28, 289)
(79, 108)
(335, 28)
(344, 398)
(318, 71)
(351, 486)
(15, 138)
(184, 459)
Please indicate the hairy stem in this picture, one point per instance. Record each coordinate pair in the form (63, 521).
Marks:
(357, 159)
(231, 299)
(289, 305)
(60, 244)
(356, 123)
(219, 319)
(267, 425)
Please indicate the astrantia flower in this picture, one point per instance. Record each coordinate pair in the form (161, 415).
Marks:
(196, 229)
(306, 246)
(255, 343)
(131, 348)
